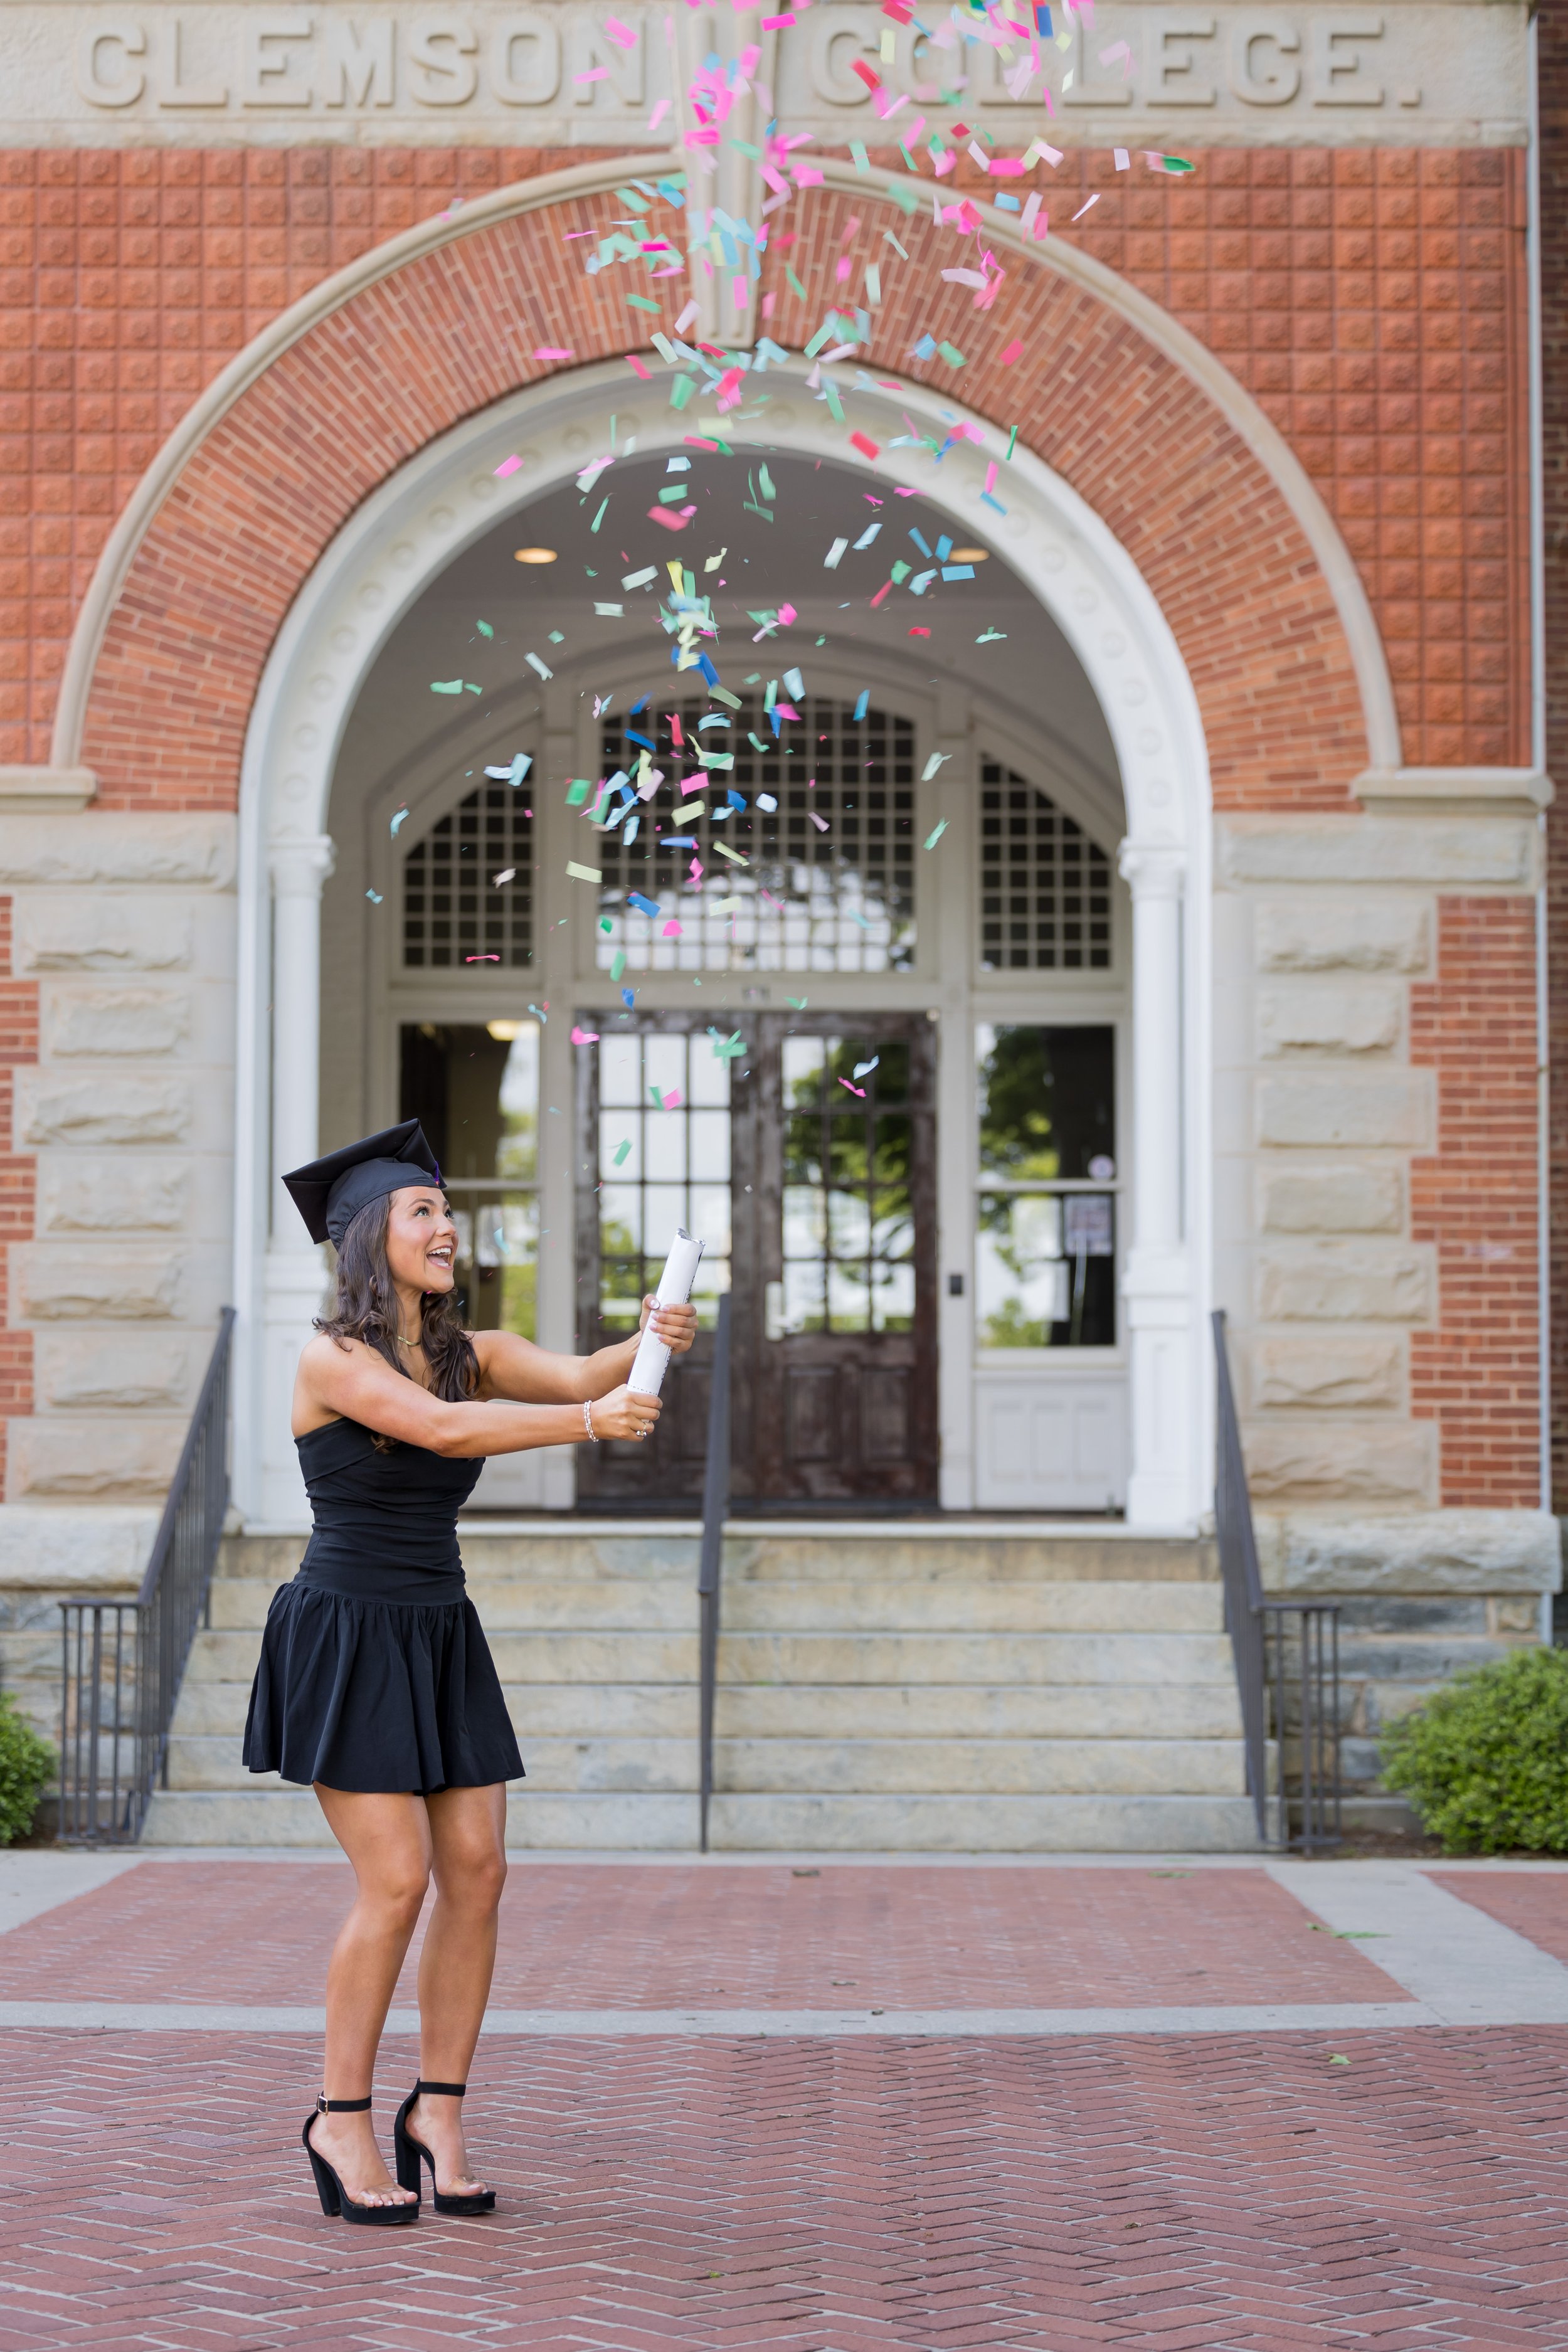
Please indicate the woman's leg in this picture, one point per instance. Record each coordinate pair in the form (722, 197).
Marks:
(468, 1841)
(387, 1839)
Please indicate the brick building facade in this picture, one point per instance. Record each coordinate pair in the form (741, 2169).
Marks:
(267, 296)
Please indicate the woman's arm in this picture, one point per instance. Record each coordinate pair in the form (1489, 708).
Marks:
(516, 1369)
(345, 1379)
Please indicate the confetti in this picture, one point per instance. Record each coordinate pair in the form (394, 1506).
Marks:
(398, 822)
(583, 873)
(623, 1152)
(584, 1036)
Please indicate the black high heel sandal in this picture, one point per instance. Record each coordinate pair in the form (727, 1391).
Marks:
(408, 2151)
(334, 2197)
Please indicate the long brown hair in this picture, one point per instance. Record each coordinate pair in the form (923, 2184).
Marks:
(366, 1309)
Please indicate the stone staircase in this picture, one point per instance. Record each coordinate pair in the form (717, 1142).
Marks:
(882, 1688)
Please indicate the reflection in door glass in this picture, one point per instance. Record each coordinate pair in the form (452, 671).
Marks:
(1045, 1270)
(475, 1091)
(847, 1227)
(664, 1164)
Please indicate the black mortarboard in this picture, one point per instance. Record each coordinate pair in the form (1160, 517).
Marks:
(329, 1192)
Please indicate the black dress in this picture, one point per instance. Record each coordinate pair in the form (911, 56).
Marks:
(374, 1672)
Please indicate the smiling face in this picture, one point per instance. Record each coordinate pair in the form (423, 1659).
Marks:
(421, 1239)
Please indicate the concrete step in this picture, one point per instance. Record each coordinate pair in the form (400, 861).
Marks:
(1080, 1711)
(843, 1766)
(531, 1603)
(774, 1824)
(833, 1553)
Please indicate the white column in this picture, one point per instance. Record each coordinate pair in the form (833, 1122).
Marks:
(295, 1275)
(1157, 1282)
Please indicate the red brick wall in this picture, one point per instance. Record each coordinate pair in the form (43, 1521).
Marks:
(1477, 1375)
(1552, 60)
(18, 1173)
(1372, 300)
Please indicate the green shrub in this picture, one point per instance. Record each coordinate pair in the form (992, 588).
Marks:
(27, 1768)
(1484, 1762)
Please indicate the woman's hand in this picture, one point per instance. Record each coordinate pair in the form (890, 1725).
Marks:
(624, 1413)
(675, 1326)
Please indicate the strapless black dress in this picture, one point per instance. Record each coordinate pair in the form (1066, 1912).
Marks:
(374, 1672)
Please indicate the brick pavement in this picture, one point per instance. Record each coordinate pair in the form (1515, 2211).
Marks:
(1534, 1902)
(584, 1935)
(1155, 2195)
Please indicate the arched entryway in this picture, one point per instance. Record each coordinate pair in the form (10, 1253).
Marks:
(1077, 746)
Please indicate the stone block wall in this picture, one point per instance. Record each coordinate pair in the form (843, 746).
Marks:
(1423, 1597)
(1375, 1130)
(123, 935)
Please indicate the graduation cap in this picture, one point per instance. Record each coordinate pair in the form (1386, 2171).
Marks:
(331, 1192)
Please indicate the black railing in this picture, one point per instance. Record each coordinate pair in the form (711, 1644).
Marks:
(715, 1511)
(122, 1659)
(1286, 1655)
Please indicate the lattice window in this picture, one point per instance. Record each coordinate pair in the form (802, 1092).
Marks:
(454, 912)
(1044, 887)
(839, 895)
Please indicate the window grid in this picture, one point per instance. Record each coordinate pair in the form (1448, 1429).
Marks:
(452, 912)
(1044, 887)
(810, 900)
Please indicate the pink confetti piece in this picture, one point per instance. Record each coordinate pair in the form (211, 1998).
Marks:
(553, 352)
(867, 447)
(671, 931)
(622, 35)
(657, 117)
(595, 73)
(787, 614)
(819, 821)
(1014, 350)
(508, 465)
(584, 1036)
(671, 522)
(637, 368)
(852, 1090)
(1085, 207)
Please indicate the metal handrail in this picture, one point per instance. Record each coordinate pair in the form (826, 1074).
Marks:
(123, 1660)
(715, 1511)
(1260, 1644)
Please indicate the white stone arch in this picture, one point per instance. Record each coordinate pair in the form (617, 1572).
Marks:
(447, 496)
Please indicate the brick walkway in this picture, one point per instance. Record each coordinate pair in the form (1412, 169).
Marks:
(578, 1936)
(1222, 2192)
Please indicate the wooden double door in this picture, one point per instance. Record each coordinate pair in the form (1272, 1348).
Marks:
(807, 1163)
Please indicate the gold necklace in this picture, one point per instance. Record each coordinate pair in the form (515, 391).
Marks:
(408, 1343)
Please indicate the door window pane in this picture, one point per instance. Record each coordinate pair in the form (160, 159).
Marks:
(1047, 1103)
(829, 885)
(1044, 887)
(475, 1091)
(664, 1164)
(1045, 1277)
(854, 1223)
(467, 884)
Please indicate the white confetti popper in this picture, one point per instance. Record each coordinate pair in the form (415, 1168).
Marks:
(646, 1376)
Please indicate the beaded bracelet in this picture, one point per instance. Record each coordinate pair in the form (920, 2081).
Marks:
(588, 1419)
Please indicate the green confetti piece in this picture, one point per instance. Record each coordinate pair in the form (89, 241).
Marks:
(744, 147)
(681, 390)
(990, 636)
(617, 963)
(1012, 445)
(623, 1152)
(951, 355)
(835, 406)
(598, 519)
(795, 286)
(643, 302)
(484, 629)
(932, 838)
(862, 161)
(583, 873)
(630, 198)
(577, 792)
(797, 1003)
(446, 686)
(605, 924)
(907, 157)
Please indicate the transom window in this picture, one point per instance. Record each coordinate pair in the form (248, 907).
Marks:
(467, 884)
(828, 881)
(1044, 887)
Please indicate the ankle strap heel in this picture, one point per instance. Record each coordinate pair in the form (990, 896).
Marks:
(335, 2198)
(412, 2154)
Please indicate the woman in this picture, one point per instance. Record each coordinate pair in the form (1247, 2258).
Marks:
(376, 1682)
